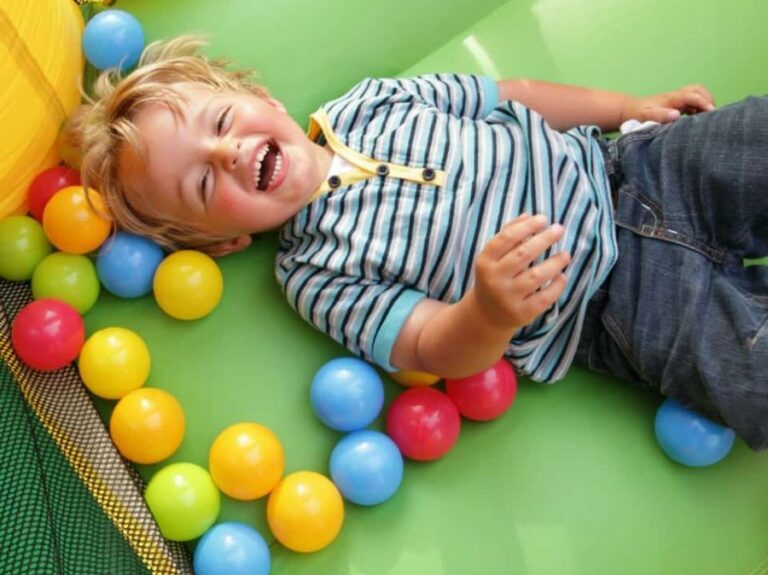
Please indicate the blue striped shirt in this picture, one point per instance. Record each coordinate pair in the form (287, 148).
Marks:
(357, 259)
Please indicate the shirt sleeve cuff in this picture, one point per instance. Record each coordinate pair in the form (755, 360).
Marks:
(391, 326)
(490, 94)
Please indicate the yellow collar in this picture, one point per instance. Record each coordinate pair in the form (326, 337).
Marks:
(364, 167)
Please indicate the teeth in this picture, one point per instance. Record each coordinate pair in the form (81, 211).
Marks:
(261, 154)
(278, 167)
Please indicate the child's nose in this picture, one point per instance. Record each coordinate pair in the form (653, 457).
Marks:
(226, 153)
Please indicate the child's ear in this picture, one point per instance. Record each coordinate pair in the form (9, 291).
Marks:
(229, 246)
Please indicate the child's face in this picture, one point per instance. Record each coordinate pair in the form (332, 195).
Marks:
(230, 164)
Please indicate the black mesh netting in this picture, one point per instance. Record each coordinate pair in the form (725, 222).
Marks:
(69, 504)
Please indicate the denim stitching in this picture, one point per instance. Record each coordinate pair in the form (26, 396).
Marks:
(624, 346)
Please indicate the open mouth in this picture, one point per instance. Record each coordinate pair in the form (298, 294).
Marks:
(268, 167)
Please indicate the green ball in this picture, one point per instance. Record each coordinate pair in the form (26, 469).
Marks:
(184, 501)
(67, 277)
(22, 245)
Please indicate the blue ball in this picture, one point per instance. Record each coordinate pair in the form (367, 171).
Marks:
(126, 264)
(112, 39)
(367, 467)
(232, 549)
(347, 394)
(690, 438)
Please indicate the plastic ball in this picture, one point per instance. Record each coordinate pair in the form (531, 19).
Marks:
(424, 423)
(183, 500)
(690, 438)
(22, 246)
(246, 461)
(188, 285)
(113, 39)
(75, 225)
(410, 378)
(113, 362)
(47, 334)
(347, 394)
(485, 395)
(232, 549)
(147, 425)
(67, 277)
(127, 263)
(305, 511)
(367, 467)
(46, 184)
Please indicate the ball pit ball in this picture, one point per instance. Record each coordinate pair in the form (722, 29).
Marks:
(305, 511)
(47, 334)
(23, 245)
(183, 500)
(690, 438)
(127, 263)
(147, 425)
(113, 362)
(113, 39)
(246, 461)
(410, 378)
(73, 223)
(188, 285)
(46, 184)
(367, 467)
(67, 277)
(232, 548)
(485, 395)
(347, 394)
(424, 423)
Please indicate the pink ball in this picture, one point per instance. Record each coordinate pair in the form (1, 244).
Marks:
(47, 334)
(424, 423)
(485, 395)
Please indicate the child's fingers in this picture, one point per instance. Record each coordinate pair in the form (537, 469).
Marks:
(512, 234)
(534, 278)
(520, 257)
(540, 301)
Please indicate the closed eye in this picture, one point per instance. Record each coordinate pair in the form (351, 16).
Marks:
(220, 122)
(203, 187)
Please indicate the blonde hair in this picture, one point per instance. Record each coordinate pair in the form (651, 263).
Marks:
(103, 129)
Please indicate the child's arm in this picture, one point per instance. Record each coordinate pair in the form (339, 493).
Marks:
(460, 339)
(565, 107)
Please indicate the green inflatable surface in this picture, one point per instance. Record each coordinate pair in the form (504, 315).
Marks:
(570, 481)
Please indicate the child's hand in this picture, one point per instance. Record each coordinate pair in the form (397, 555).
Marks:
(668, 106)
(509, 291)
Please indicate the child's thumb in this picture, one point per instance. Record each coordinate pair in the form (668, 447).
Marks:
(663, 115)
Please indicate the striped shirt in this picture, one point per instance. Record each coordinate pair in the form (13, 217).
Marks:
(441, 166)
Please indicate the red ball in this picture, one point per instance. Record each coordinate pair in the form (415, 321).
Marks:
(47, 183)
(485, 395)
(47, 334)
(424, 423)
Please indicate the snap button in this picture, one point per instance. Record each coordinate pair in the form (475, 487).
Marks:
(382, 170)
(428, 174)
(334, 181)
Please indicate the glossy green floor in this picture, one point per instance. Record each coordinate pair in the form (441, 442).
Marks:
(570, 481)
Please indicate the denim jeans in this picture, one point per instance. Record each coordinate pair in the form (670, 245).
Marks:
(680, 313)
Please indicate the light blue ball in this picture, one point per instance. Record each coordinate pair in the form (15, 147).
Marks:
(347, 394)
(232, 549)
(112, 39)
(690, 438)
(367, 467)
(126, 264)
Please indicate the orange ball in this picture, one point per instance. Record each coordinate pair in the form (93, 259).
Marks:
(414, 378)
(305, 511)
(246, 461)
(75, 225)
(147, 425)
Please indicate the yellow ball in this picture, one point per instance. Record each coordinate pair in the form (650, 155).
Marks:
(113, 362)
(246, 461)
(305, 511)
(414, 378)
(147, 425)
(188, 285)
